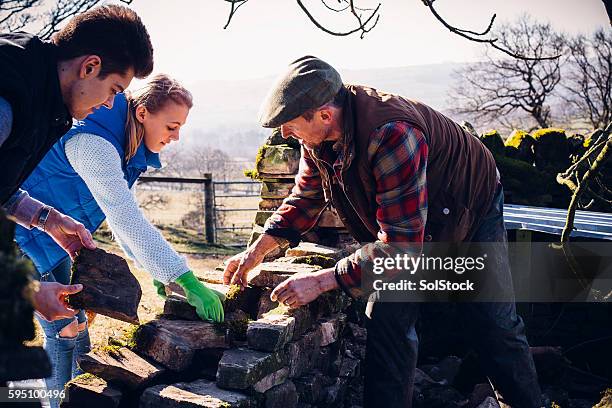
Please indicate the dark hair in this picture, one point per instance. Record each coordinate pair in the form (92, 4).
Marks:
(337, 102)
(114, 33)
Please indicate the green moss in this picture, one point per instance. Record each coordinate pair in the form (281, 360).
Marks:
(548, 132)
(237, 328)
(277, 139)
(516, 137)
(315, 260)
(127, 339)
(233, 298)
(252, 174)
(112, 350)
(552, 150)
(87, 378)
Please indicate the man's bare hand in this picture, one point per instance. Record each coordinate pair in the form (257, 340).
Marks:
(68, 233)
(50, 300)
(302, 289)
(239, 265)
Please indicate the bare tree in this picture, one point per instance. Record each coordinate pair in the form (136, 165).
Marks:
(39, 16)
(501, 87)
(367, 18)
(588, 79)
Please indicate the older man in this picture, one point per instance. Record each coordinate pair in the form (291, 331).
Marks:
(397, 172)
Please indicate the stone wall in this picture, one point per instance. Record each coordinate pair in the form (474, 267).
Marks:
(264, 354)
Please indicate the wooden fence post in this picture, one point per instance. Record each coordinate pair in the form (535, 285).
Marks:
(209, 216)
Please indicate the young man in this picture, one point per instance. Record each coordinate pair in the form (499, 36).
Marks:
(398, 173)
(43, 86)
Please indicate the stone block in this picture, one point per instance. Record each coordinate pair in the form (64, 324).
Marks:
(264, 279)
(277, 161)
(271, 274)
(109, 288)
(275, 190)
(310, 248)
(177, 307)
(271, 332)
(262, 216)
(330, 303)
(302, 353)
(333, 395)
(331, 329)
(349, 367)
(282, 396)
(89, 391)
(199, 393)
(265, 303)
(270, 204)
(241, 368)
(174, 343)
(304, 317)
(120, 365)
(309, 387)
(271, 380)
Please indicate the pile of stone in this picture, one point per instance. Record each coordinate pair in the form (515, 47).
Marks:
(263, 355)
(276, 165)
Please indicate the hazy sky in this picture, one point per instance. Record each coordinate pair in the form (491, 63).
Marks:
(265, 35)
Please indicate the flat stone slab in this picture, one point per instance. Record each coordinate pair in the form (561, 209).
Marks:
(270, 204)
(271, 380)
(331, 329)
(262, 216)
(271, 332)
(276, 189)
(173, 343)
(89, 391)
(200, 393)
(265, 279)
(241, 368)
(282, 396)
(302, 353)
(271, 274)
(286, 268)
(109, 288)
(310, 248)
(121, 365)
(278, 161)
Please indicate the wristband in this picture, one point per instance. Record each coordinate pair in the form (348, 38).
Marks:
(43, 217)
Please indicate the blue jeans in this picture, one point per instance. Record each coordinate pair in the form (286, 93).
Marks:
(63, 351)
(495, 330)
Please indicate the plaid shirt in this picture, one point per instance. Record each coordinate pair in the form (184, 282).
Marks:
(398, 155)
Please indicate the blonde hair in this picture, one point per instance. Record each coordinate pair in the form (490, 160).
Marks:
(154, 96)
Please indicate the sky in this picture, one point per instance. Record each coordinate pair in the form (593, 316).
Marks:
(265, 35)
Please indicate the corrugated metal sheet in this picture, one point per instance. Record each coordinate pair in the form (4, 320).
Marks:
(552, 220)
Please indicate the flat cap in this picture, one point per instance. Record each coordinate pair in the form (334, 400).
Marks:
(308, 83)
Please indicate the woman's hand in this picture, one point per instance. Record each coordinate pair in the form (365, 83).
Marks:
(206, 301)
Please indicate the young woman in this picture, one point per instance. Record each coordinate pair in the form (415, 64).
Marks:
(88, 175)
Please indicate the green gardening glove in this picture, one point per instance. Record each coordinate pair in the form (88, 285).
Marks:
(161, 288)
(206, 302)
